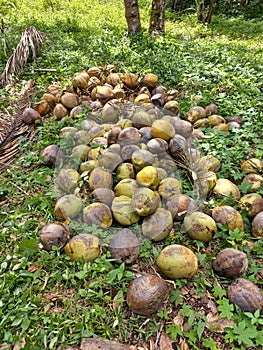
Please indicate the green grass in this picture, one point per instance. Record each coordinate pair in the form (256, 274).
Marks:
(47, 300)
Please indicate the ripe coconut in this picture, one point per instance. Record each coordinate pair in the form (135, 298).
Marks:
(179, 205)
(163, 129)
(55, 234)
(145, 201)
(123, 211)
(126, 187)
(88, 166)
(141, 118)
(67, 179)
(148, 177)
(226, 188)
(125, 171)
(142, 158)
(157, 146)
(52, 155)
(130, 80)
(254, 180)
(127, 151)
(98, 214)
(195, 113)
(99, 178)
(227, 215)
(68, 206)
(124, 247)
(60, 111)
(246, 295)
(128, 136)
(252, 166)
(80, 152)
(177, 146)
(158, 225)
(30, 115)
(146, 294)
(102, 195)
(177, 261)
(109, 159)
(83, 247)
(257, 225)
(200, 226)
(43, 107)
(230, 263)
(210, 163)
(69, 100)
(172, 106)
(169, 187)
(149, 80)
(252, 203)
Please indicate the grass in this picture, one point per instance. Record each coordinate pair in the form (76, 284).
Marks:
(48, 301)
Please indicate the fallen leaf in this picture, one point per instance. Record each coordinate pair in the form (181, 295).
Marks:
(183, 344)
(178, 320)
(218, 324)
(19, 345)
(98, 344)
(165, 342)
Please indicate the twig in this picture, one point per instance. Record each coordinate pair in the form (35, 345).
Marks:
(45, 69)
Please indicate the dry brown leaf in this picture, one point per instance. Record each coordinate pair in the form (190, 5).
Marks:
(178, 320)
(19, 345)
(212, 306)
(165, 342)
(97, 344)
(5, 347)
(152, 345)
(218, 324)
(183, 344)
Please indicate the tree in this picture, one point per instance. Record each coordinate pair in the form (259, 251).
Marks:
(132, 15)
(157, 19)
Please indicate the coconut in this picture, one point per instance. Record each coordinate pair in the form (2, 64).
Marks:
(179, 205)
(109, 159)
(158, 99)
(60, 111)
(177, 146)
(113, 79)
(158, 225)
(130, 80)
(157, 146)
(227, 215)
(252, 203)
(68, 206)
(88, 166)
(177, 261)
(30, 115)
(128, 136)
(124, 247)
(80, 152)
(43, 108)
(81, 136)
(149, 80)
(246, 295)
(211, 109)
(183, 128)
(163, 129)
(98, 214)
(100, 178)
(102, 195)
(68, 179)
(254, 180)
(195, 113)
(257, 225)
(141, 118)
(145, 201)
(148, 177)
(210, 163)
(56, 234)
(127, 151)
(168, 187)
(123, 211)
(79, 82)
(226, 188)
(125, 171)
(200, 226)
(126, 187)
(146, 294)
(142, 158)
(252, 166)
(215, 119)
(52, 155)
(69, 100)
(230, 263)
(172, 106)
(83, 247)
(146, 134)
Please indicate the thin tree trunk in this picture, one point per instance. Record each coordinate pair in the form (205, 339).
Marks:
(132, 15)
(157, 20)
(200, 9)
(210, 11)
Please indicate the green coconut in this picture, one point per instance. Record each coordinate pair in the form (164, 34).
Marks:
(148, 177)
(200, 226)
(126, 187)
(83, 247)
(98, 214)
(158, 225)
(123, 211)
(177, 261)
(145, 201)
(68, 206)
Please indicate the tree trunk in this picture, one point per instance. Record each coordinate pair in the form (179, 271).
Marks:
(157, 20)
(200, 9)
(132, 15)
(210, 11)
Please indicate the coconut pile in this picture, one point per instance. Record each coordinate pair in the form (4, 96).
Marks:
(119, 166)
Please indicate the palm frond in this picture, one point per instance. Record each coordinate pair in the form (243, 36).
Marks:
(29, 46)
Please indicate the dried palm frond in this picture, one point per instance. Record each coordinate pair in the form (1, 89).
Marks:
(28, 46)
(12, 127)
